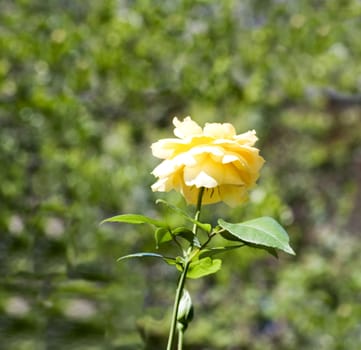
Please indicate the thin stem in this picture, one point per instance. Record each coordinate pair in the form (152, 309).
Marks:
(178, 295)
(180, 337)
(207, 241)
(198, 209)
(182, 281)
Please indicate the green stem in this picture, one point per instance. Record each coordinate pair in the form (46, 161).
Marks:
(198, 209)
(182, 281)
(178, 296)
(180, 337)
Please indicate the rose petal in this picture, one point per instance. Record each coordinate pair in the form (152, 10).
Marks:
(186, 128)
(247, 138)
(233, 195)
(219, 131)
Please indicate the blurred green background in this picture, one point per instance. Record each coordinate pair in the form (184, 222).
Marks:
(87, 86)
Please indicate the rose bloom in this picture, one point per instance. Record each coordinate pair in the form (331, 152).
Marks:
(215, 157)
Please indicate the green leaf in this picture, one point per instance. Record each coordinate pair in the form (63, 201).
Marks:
(135, 219)
(171, 207)
(218, 250)
(205, 227)
(203, 267)
(263, 231)
(170, 261)
(162, 235)
(185, 233)
(231, 237)
(270, 250)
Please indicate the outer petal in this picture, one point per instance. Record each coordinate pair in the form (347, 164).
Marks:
(210, 195)
(169, 148)
(190, 193)
(231, 175)
(166, 148)
(251, 158)
(162, 185)
(165, 184)
(233, 195)
(166, 168)
(186, 128)
(219, 131)
(247, 138)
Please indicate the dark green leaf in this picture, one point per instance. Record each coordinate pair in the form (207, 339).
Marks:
(168, 260)
(162, 235)
(185, 233)
(263, 231)
(203, 267)
(230, 237)
(135, 219)
(270, 250)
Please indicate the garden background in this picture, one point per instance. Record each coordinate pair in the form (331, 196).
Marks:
(87, 86)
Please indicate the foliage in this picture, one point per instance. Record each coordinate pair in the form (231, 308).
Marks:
(86, 87)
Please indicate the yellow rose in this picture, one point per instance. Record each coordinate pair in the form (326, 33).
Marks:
(215, 157)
